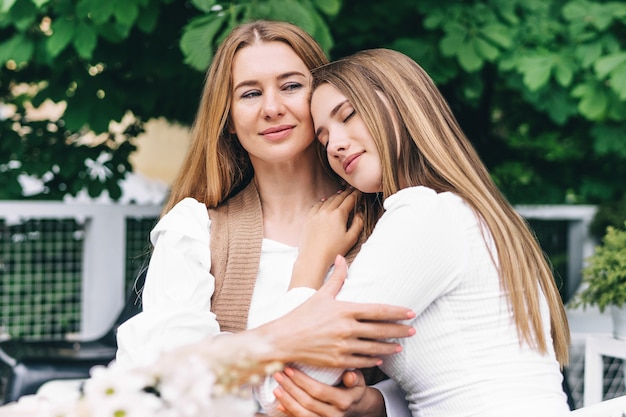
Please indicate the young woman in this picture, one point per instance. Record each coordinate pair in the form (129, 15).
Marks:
(253, 164)
(491, 328)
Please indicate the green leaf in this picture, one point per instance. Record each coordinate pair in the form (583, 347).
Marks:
(285, 10)
(453, 40)
(329, 7)
(62, 34)
(602, 16)
(322, 32)
(618, 81)
(197, 42)
(6, 5)
(97, 10)
(485, 49)
(588, 53)
(126, 12)
(468, 57)
(148, 18)
(574, 11)
(536, 71)
(563, 73)
(23, 14)
(593, 101)
(499, 34)
(608, 63)
(434, 19)
(204, 5)
(40, 3)
(18, 48)
(85, 40)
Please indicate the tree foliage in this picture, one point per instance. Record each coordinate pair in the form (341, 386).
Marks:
(539, 87)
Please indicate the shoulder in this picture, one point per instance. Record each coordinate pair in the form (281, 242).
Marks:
(426, 201)
(188, 217)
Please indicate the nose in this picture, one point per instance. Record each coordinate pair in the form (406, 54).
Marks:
(273, 106)
(338, 144)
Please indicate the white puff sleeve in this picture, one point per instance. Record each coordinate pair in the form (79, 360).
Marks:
(177, 294)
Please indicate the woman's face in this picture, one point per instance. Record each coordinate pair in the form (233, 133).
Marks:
(270, 109)
(350, 147)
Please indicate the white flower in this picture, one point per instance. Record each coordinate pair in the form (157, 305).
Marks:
(194, 381)
(97, 169)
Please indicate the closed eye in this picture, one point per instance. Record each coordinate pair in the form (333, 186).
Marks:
(352, 113)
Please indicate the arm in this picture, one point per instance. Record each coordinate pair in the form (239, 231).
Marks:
(328, 232)
(266, 392)
(324, 332)
(178, 288)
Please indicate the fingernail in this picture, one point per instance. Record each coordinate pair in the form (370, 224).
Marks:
(412, 331)
(323, 199)
(278, 393)
(288, 371)
(411, 314)
(279, 377)
(379, 362)
(339, 191)
(398, 349)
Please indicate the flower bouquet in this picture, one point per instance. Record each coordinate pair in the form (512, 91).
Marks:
(207, 379)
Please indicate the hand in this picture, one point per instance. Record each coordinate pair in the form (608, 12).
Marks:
(329, 333)
(328, 232)
(302, 396)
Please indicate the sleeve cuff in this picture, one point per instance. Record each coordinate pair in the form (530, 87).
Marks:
(395, 403)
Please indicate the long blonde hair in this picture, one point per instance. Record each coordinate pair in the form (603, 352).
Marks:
(434, 152)
(216, 166)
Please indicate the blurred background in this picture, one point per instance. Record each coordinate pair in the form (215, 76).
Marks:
(96, 99)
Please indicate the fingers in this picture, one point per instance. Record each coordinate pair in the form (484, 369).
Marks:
(380, 312)
(334, 283)
(344, 199)
(293, 397)
(352, 378)
(355, 228)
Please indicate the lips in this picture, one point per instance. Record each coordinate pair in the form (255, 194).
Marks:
(277, 132)
(349, 164)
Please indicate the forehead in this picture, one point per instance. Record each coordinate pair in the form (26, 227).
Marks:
(266, 59)
(325, 97)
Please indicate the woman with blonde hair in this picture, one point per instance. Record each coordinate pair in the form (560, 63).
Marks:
(226, 243)
(492, 332)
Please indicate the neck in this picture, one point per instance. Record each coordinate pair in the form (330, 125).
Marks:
(287, 194)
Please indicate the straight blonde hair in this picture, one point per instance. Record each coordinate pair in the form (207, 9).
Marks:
(216, 166)
(434, 152)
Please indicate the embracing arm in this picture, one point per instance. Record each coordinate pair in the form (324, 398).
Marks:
(325, 332)
(329, 231)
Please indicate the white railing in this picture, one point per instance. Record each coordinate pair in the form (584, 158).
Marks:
(580, 243)
(104, 252)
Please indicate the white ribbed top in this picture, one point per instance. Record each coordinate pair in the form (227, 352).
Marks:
(427, 253)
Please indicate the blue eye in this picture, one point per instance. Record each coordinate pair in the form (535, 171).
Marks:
(251, 94)
(292, 86)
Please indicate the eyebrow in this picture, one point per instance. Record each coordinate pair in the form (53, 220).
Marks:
(250, 83)
(333, 112)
